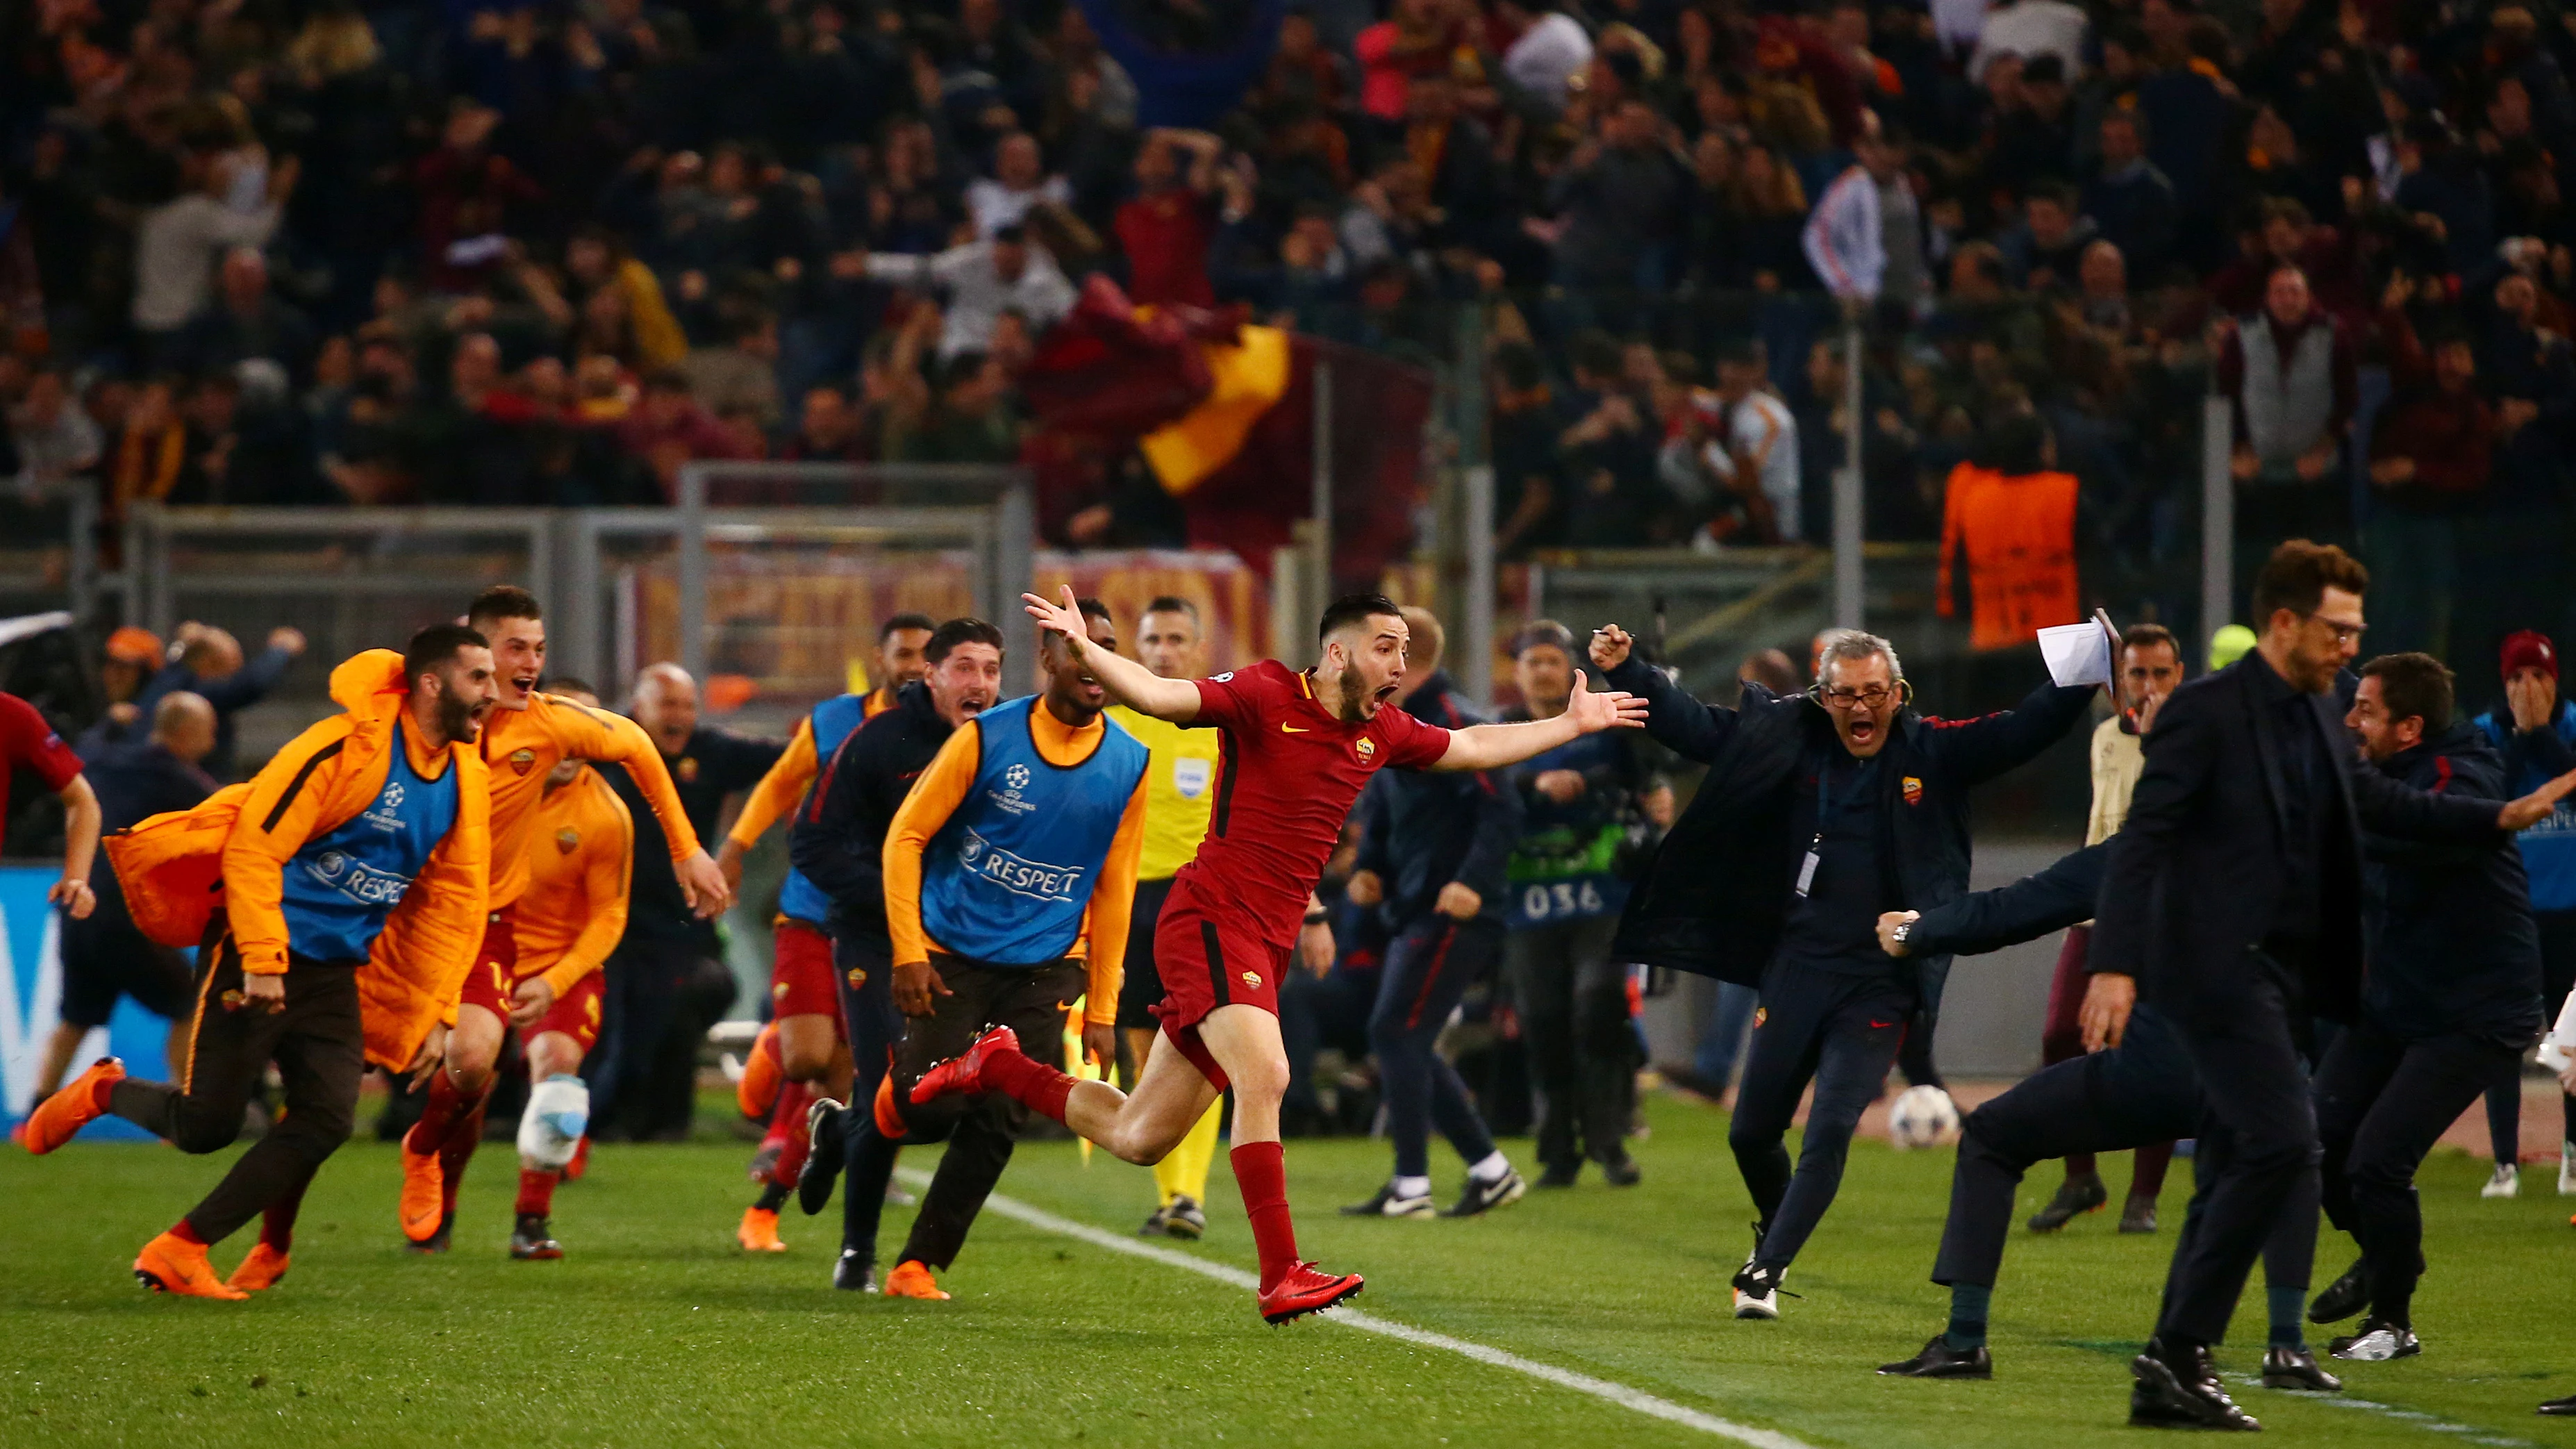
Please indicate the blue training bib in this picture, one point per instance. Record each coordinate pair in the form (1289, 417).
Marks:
(831, 722)
(1007, 879)
(337, 890)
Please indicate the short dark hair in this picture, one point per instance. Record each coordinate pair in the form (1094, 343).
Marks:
(569, 684)
(959, 631)
(2298, 574)
(1172, 604)
(1354, 609)
(2148, 636)
(1091, 608)
(431, 649)
(502, 601)
(923, 622)
(2413, 686)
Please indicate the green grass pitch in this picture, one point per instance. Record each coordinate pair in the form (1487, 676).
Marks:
(656, 1331)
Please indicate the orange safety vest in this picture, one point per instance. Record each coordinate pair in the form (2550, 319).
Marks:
(2019, 535)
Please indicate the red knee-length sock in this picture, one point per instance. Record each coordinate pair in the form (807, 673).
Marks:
(787, 1128)
(537, 1191)
(1033, 1084)
(1261, 1173)
(437, 1116)
(458, 1150)
(277, 1224)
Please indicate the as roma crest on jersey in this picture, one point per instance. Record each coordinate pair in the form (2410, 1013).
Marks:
(522, 761)
(1912, 786)
(687, 769)
(567, 840)
(1367, 749)
(1252, 980)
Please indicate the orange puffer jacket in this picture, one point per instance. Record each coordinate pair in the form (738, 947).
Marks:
(229, 855)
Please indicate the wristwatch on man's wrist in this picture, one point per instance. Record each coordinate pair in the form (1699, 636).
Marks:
(1904, 932)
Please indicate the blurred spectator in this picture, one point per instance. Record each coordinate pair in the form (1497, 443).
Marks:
(1019, 181)
(57, 447)
(2129, 200)
(983, 279)
(2289, 369)
(176, 244)
(1865, 237)
(247, 320)
(827, 429)
(1547, 49)
(1619, 206)
(2429, 463)
(669, 427)
(742, 375)
(210, 665)
(1166, 227)
(2028, 29)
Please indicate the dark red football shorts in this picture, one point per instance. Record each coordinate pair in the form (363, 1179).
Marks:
(576, 1012)
(801, 979)
(1206, 964)
(496, 966)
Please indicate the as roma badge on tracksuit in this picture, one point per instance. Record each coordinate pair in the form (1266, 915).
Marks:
(567, 840)
(687, 770)
(1761, 1014)
(522, 761)
(1912, 785)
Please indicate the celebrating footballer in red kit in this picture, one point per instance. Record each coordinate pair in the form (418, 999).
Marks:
(1298, 745)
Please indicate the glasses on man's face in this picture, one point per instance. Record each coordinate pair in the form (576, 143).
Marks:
(1874, 697)
(2344, 633)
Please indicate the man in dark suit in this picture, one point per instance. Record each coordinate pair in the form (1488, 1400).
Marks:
(2233, 899)
(1819, 812)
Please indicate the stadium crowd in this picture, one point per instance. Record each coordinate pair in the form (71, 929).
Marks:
(331, 253)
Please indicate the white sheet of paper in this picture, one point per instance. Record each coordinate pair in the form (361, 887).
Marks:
(2076, 653)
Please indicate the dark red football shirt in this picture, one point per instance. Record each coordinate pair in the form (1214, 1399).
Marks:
(25, 739)
(1290, 770)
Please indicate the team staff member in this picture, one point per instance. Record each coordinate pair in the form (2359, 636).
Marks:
(667, 981)
(2452, 999)
(803, 1053)
(1433, 850)
(530, 734)
(1561, 907)
(1818, 814)
(104, 956)
(2536, 732)
(373, 824)
(1009, 871)
(2150, 668)
(2233, 900)
(1180, 791)
(2136, 1086)
(839, 844)
(569, 919)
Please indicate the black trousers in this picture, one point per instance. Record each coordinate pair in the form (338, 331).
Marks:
(2382, 1102)
(1429, 966)
(320, 1050)
(866, 970)
(630, 1070)
(1840, 1032)
(980, 1131)
(2257, 1152)
(1583, 1054)
(2143, 1091)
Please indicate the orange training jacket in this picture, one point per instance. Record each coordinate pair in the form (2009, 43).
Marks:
(230, 852)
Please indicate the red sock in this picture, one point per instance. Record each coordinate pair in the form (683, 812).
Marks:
(102, 1093)
(187, 1234)
(1040, 1088)
(277, 1224)
(437, 1116)
(1261, 1174)
(537, 1191)
(788, 1124)
(458, 1150)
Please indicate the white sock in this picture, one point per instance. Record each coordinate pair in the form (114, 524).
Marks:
(1490, 1167)
(1411, 1186)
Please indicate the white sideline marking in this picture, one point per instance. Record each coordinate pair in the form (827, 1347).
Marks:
(2430, 1423)
(1620, 1394)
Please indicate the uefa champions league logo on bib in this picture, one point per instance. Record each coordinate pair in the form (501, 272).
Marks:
(1017, 777)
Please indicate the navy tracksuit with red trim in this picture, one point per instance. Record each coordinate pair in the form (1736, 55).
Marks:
(1419, 832)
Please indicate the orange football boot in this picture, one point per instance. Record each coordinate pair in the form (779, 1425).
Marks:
(60, 1117)
(260, 1270)
(763, 1073)
(759, 1231)
(423, 1203)
(911, 1279)
(171, 1264)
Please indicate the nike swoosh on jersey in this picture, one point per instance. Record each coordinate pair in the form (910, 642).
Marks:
(1293, 730)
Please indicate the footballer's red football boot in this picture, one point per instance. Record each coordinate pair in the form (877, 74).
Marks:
(1306, 1289)
(965, 1072)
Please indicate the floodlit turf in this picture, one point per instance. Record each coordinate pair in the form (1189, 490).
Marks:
(656, 1331)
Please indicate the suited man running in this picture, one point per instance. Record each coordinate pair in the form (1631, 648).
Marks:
(2233, 899)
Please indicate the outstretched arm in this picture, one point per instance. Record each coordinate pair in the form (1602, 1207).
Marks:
(1492, 746)
(1128, 682)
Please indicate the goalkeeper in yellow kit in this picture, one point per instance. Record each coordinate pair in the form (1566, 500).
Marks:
(1180, 790)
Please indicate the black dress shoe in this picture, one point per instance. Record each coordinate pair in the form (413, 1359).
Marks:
(1560, 1174)
(1621, 1171)
(2075, 1197)
(826, 1155)
(2296, 1369)
(2343, 1297)
(2562, 1407)
(853, 1273)
(1939, 1360)
(2187, 1395)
